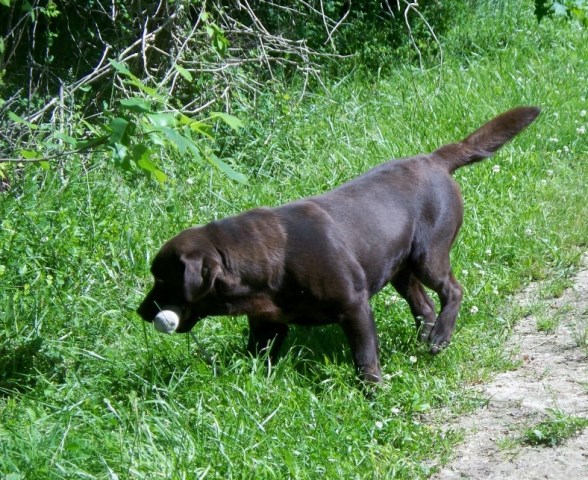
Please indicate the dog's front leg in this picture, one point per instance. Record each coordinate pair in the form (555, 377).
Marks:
(265, 335)
(360, 329)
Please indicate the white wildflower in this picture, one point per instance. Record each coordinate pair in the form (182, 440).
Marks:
(583, 113)
(474, 310)
(496, 168)
(581, 130)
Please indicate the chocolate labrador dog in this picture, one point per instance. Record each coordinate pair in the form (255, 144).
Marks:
(319, 260)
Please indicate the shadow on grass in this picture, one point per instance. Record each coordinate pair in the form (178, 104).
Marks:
(318, 355)
(314, 349)
(23, 361)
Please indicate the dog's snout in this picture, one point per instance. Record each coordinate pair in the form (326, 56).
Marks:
(148, 309)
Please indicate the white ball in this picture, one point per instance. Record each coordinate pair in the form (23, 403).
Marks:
(166, 321)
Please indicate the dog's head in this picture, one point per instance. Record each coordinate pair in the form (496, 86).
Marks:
(185, 272)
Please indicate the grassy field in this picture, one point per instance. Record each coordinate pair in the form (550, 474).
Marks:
(87, 390)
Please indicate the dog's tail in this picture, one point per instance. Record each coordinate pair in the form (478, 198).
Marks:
(487, 139)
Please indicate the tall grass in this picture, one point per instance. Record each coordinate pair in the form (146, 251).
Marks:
(89, 391)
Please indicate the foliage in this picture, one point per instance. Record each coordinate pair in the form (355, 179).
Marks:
(137, 128)
(568, 9)
(59, 83)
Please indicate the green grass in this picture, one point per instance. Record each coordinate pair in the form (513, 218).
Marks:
(89, 391)
(554, 430)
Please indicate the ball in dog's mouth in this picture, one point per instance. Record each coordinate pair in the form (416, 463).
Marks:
(166, 321)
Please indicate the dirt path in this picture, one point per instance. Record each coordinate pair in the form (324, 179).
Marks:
(553, 375)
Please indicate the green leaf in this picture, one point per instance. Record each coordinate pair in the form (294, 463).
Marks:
(121, 68)
(118, 127)
(66, 138)
(142, 156)
(152, 92)
(120, 155)
(29, 154)
(133, 80)
(227, 170)
(44, 165)
(136, 105)
(146, 164)
(202, 128)
(179, 141)
(182, 142)
(6, 3)
(162, 119)
(230, 120)
(18, 119)
(141, 152)
(184, 73)
(159, 175)
(196, 126)
(91, 142)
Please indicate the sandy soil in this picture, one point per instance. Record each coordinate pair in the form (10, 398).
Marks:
(553, 375)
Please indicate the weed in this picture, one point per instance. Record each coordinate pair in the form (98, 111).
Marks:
(547, 323)
(580, 332)
(554, 430)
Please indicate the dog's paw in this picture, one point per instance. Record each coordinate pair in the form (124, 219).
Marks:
(436, 347)
(424, 331)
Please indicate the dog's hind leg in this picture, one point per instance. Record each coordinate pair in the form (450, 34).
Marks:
(421, 305)
(435, 273)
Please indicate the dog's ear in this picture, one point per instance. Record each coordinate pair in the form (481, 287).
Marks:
(199, 276)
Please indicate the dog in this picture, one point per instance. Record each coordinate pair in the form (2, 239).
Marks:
(319, 260)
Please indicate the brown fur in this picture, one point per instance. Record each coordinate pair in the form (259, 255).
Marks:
(319, 260)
